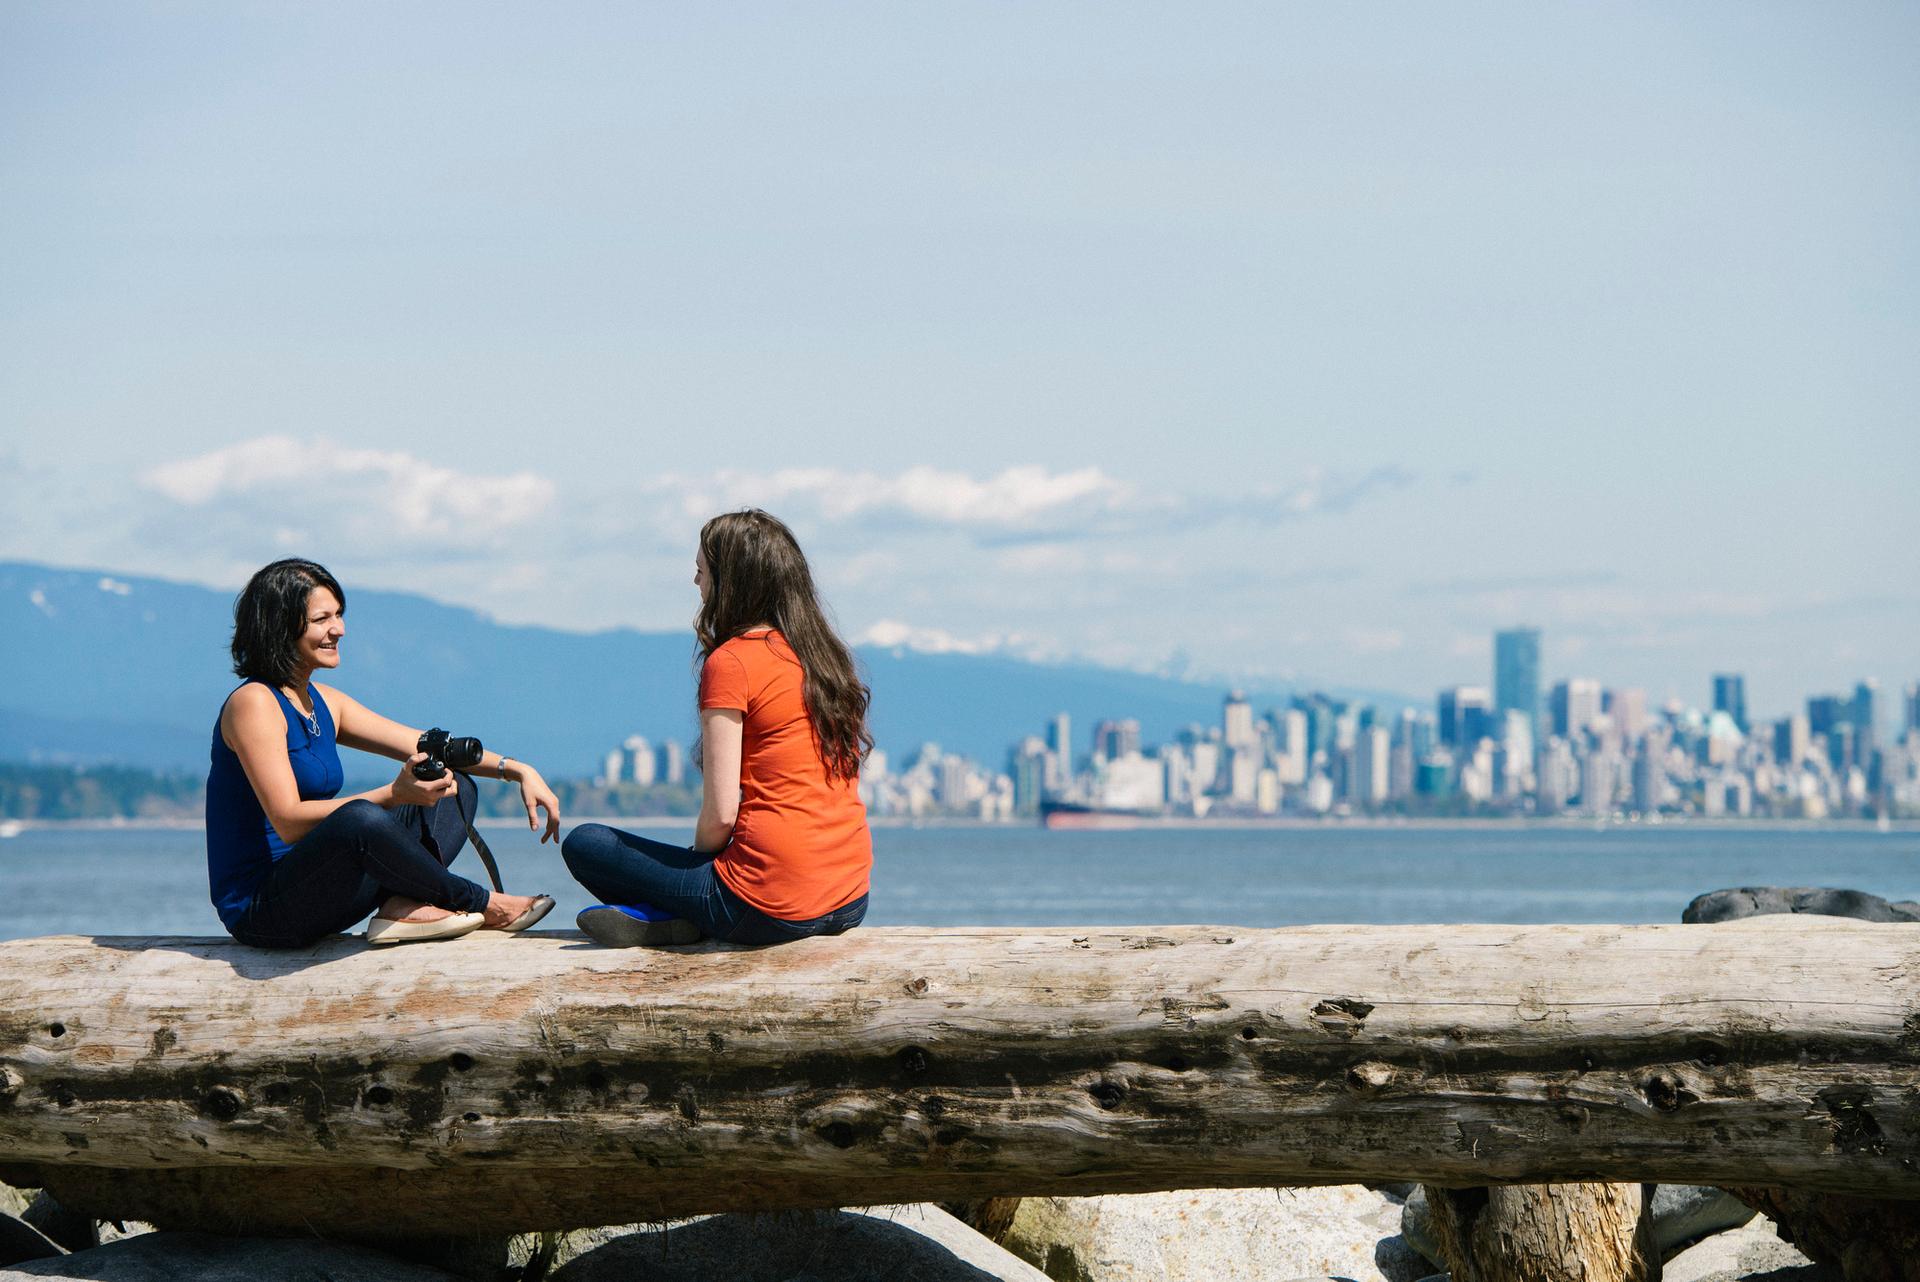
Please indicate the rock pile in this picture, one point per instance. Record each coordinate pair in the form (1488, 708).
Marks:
(1231, 1235)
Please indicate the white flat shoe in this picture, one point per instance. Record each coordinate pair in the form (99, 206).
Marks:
(540, 907)
(385, 930)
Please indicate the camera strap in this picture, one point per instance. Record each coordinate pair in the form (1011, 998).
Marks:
(478, 842)
(486, 856)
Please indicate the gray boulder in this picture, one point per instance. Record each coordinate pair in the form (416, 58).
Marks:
(1757, 901)
(1416, 1227)
(72, 1230)
(169, 1257)
(20, 1241)
(1684, 1213)
(1751, 1253)
(1221, 1235)
(919, 1243)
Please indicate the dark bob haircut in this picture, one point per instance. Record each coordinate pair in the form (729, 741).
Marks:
(270, 614)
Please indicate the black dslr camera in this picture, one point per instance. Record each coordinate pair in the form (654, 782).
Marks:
(443, 751)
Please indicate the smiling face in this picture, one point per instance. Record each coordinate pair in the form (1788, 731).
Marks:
(325, 624)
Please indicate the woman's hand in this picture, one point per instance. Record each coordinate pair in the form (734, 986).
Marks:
(536, 796)
(407, 790)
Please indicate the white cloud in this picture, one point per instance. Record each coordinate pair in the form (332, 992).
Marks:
(1014, 506)
(304, 490)
(1018, 499)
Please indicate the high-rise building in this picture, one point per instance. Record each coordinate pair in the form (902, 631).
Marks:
(1576, 705)
(640, 764)
(1790, 738)
(1466, 715)
(1910, 724)
(1825, 711)
(1372, 766)
(1027, 764)
(1060, 744)
(1599, 777)
(1649, 778)
(1236, 719)
(1516, 672)
(1730, 697)
(1113, 740)
(670, 763)
(1628, 708)
(1865, 739)
(1292, 751)
(1514, 761)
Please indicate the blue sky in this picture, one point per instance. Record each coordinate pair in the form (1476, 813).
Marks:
(1238, 340)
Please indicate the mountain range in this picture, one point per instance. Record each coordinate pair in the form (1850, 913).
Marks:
(99, 667)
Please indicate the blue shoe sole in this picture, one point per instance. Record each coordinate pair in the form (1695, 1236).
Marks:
(611, 928)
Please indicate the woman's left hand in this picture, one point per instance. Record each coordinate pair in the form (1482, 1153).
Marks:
(536, 796)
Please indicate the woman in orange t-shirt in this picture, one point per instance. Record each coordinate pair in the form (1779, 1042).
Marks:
(781, 850)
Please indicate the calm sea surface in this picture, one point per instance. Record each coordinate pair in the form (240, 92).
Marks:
(138, 881)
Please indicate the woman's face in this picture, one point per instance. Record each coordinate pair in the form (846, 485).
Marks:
(701, 579)
(326, 623)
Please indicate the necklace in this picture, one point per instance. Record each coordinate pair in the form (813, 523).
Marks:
(310, 719)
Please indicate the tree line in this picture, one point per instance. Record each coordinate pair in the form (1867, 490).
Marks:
(35, 791)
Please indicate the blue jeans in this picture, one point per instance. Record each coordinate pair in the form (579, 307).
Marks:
(620, 868)
(353, 860)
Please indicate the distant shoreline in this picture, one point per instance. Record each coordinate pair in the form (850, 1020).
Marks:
(1161, 823)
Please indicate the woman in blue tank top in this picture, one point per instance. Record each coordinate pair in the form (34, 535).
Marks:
(288, 859)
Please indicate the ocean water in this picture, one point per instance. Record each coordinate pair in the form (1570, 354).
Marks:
(141, 881)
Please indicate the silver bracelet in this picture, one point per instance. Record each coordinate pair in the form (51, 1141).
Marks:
(502, 767)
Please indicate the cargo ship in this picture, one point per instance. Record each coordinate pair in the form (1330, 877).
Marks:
(1058, 813)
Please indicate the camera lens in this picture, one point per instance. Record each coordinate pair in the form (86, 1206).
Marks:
(462, 754)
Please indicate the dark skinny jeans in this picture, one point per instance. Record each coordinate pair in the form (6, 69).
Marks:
(353, 860)
(621, 868)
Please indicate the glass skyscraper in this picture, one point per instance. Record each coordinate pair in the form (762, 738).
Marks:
(1730, 697)
(1516, 672)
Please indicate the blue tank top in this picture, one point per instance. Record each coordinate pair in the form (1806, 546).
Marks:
(241, 843)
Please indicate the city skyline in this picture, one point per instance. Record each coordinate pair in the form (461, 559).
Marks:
(1261, 345)
(1478, 751)
(1596, 751)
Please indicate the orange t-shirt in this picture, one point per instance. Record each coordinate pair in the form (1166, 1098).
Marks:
(800, 847)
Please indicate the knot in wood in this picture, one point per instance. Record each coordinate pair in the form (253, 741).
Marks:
(916, 987)
(1666, 1092)
(1341, 1016)
(222, 1104)
(1369, 1075)
(10, 1082)
(913, 1059)
(1107, 1093)
(1855, 1129)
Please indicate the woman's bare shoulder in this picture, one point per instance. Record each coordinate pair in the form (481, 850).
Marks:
(252, 696)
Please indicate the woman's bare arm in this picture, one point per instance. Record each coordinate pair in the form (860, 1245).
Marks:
(721, 733)
(254, 727)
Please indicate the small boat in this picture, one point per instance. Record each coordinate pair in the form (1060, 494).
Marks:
(11, 828)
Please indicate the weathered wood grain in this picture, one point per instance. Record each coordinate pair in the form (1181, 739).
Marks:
(1546, 1233)
(539, 1080)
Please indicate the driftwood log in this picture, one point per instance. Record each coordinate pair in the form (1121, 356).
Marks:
(538, 1081)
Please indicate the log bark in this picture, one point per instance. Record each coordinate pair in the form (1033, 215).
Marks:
(538, 1081)
(1546, 1233)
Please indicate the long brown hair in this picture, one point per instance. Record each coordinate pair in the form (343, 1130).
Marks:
(757, 575)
